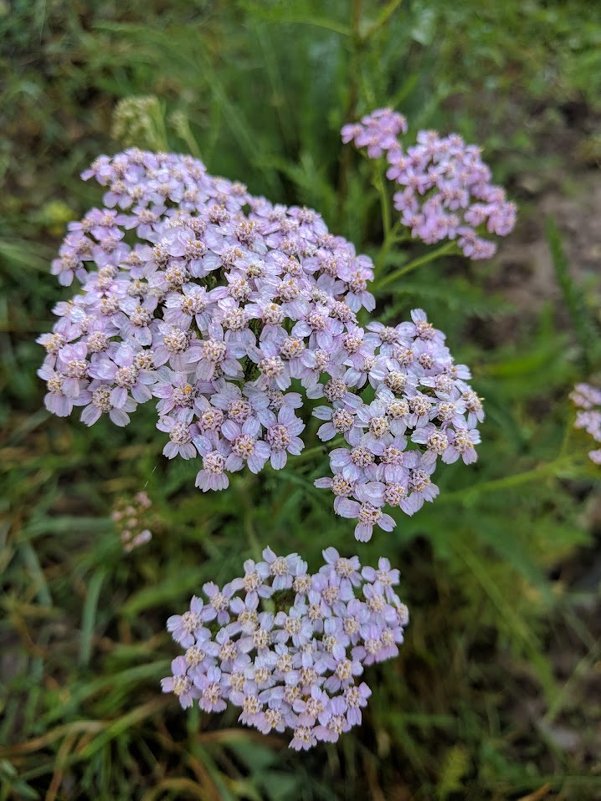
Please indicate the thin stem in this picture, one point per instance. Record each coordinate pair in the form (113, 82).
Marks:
(584, 665)
(356, 52)
(318, 450)
(277, 84)
(567, 434)
(185, 132)
(449, 247)
(379, 23)
(319, 22)
(252, 539)
(384, 201)
(162, 141)
(390, 239)
(356, 19)
(249, 528)
(353, 97)
(553, 468)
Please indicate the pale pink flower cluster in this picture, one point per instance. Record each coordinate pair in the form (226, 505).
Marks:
(423, 410)
(446, 189)
(289, 648)
(205, 299)
(232, 315)
(219, 307)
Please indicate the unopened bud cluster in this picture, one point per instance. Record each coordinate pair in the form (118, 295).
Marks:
(130, 516)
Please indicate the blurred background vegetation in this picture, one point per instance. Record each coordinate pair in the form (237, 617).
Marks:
(497, 692)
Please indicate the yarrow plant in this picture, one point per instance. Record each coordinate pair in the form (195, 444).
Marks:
(238, 318)
(289, 648)
(445, 187)
(587, 399)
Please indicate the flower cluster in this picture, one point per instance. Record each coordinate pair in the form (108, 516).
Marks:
(446, 187)
(212, 302)
(377, 132)
(286, 647)
(130, 516)
(588, 399)
(423, 409)
(205, 298)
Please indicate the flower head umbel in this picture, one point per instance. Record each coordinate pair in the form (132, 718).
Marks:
(444, 187)
(301, 667)
(377, 131)
(229, 314)
(210, 307)
(423, 410)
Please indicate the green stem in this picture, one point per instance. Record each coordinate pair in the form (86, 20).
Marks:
(390, 239)
(186, 134)
(318, 450)
(249, 528)
(385, 15)
(354, 72)
(319, 22)
(445, 249)
(384, 201)
(356, 20)
(553, 468)
(162, 141)
(581, 669)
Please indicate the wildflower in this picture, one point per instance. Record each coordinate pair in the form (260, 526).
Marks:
(207, 308)
(216, 301)
(368, 515)
(446, 190)
(179, 683)
(423, 411)
(376, 131)
(214, 453)
(283, 438)
(298, 669)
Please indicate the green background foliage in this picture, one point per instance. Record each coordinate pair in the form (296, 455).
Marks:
(493, 696)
